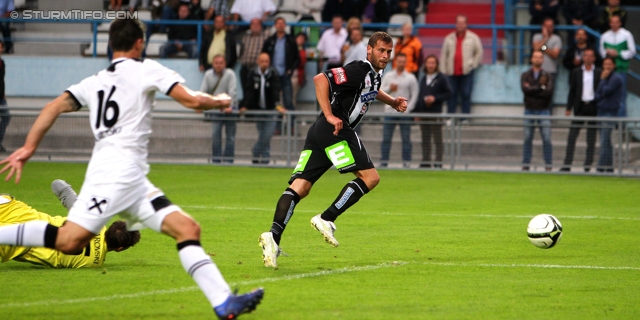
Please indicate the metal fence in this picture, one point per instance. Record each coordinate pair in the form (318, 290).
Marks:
(470, 142)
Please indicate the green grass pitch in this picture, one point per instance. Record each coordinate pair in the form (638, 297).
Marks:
(422, 245)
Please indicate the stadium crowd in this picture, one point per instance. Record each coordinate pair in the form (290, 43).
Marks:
(271, 81)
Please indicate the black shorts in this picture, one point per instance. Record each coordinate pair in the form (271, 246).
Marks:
(322, 150)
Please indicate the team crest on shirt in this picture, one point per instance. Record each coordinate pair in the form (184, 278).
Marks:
(97, 205)
(367, 82)
(339, 76)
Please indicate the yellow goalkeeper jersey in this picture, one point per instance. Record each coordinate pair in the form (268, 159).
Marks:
(14, 211)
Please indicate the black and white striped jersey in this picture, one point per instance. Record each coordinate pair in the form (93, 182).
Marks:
(352, 89)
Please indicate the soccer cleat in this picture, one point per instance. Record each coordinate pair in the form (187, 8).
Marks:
(239, 304)
(327, 228)
(64, 192)
(270, 250)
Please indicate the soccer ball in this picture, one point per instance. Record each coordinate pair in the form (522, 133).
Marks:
(544, 231)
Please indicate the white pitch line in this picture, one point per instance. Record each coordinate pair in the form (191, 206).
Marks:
(194, 288)
(423, 214)
(515, 265)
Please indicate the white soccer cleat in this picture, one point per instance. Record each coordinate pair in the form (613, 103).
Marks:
(327, 228)
(64, 192)
(270, 250)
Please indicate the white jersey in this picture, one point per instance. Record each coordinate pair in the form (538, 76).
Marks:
(120, 99)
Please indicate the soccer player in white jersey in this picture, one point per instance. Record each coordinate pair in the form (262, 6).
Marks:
(120, 100)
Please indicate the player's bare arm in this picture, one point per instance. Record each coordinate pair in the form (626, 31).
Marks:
(322, 94)
(198, 100)
(14, 162)
(399, 103)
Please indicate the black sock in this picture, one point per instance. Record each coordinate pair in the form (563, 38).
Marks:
(284, 211)
(350, 194)
(50, 235)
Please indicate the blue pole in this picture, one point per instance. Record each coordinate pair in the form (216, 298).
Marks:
(494, 33)
(199, 38)
(95, 39)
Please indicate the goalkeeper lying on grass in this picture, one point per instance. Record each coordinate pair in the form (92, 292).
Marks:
(115, 238)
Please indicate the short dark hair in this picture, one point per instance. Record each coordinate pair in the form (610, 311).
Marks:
(379, 36)
(279, 18)
(609, 58)
(432, 56)
(302, 34)
(117, 236)
(401, 55)
(124, 33)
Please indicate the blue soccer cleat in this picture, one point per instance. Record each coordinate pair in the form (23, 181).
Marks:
(239, 304)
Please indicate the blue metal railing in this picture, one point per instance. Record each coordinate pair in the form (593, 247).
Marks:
(521, 48)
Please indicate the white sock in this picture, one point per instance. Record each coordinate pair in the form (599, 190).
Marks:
(28, 234)
(205, 273)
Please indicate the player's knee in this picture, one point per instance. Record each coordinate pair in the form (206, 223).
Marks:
(371, 180)
(189, 230)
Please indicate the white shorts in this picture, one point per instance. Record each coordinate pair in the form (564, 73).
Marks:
(140, 204)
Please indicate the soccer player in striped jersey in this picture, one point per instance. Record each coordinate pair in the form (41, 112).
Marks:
(120, 99)
(344, 95)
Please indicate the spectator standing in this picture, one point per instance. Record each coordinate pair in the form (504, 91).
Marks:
(262, 92)
(181, 37)
(401, 83)
(352, 24)
(612, 8)
(343, 8)
(218, 42)
(247, 10)
(284, 56)
(461, 54)
(252, 43)
(217, 8)
(580, 13)
(411, 47)
(618, 44)
(550, 45)
(542, 9)
(217, 80)
(583, 84)
(373, 11)
(6, 7)
(537, 86)
(573, 57)
(331, 43)
(434, 90)
(404, 7)
(609, 97)
(5, 116)
(298, 78)
(196, 10)
(355, 49)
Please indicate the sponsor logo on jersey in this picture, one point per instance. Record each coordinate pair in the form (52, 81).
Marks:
(339, 76)
(96, 254)
(364, 109)
(107, 133)
(368, 97)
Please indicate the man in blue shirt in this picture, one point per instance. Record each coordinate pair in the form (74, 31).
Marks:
(283, 51)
